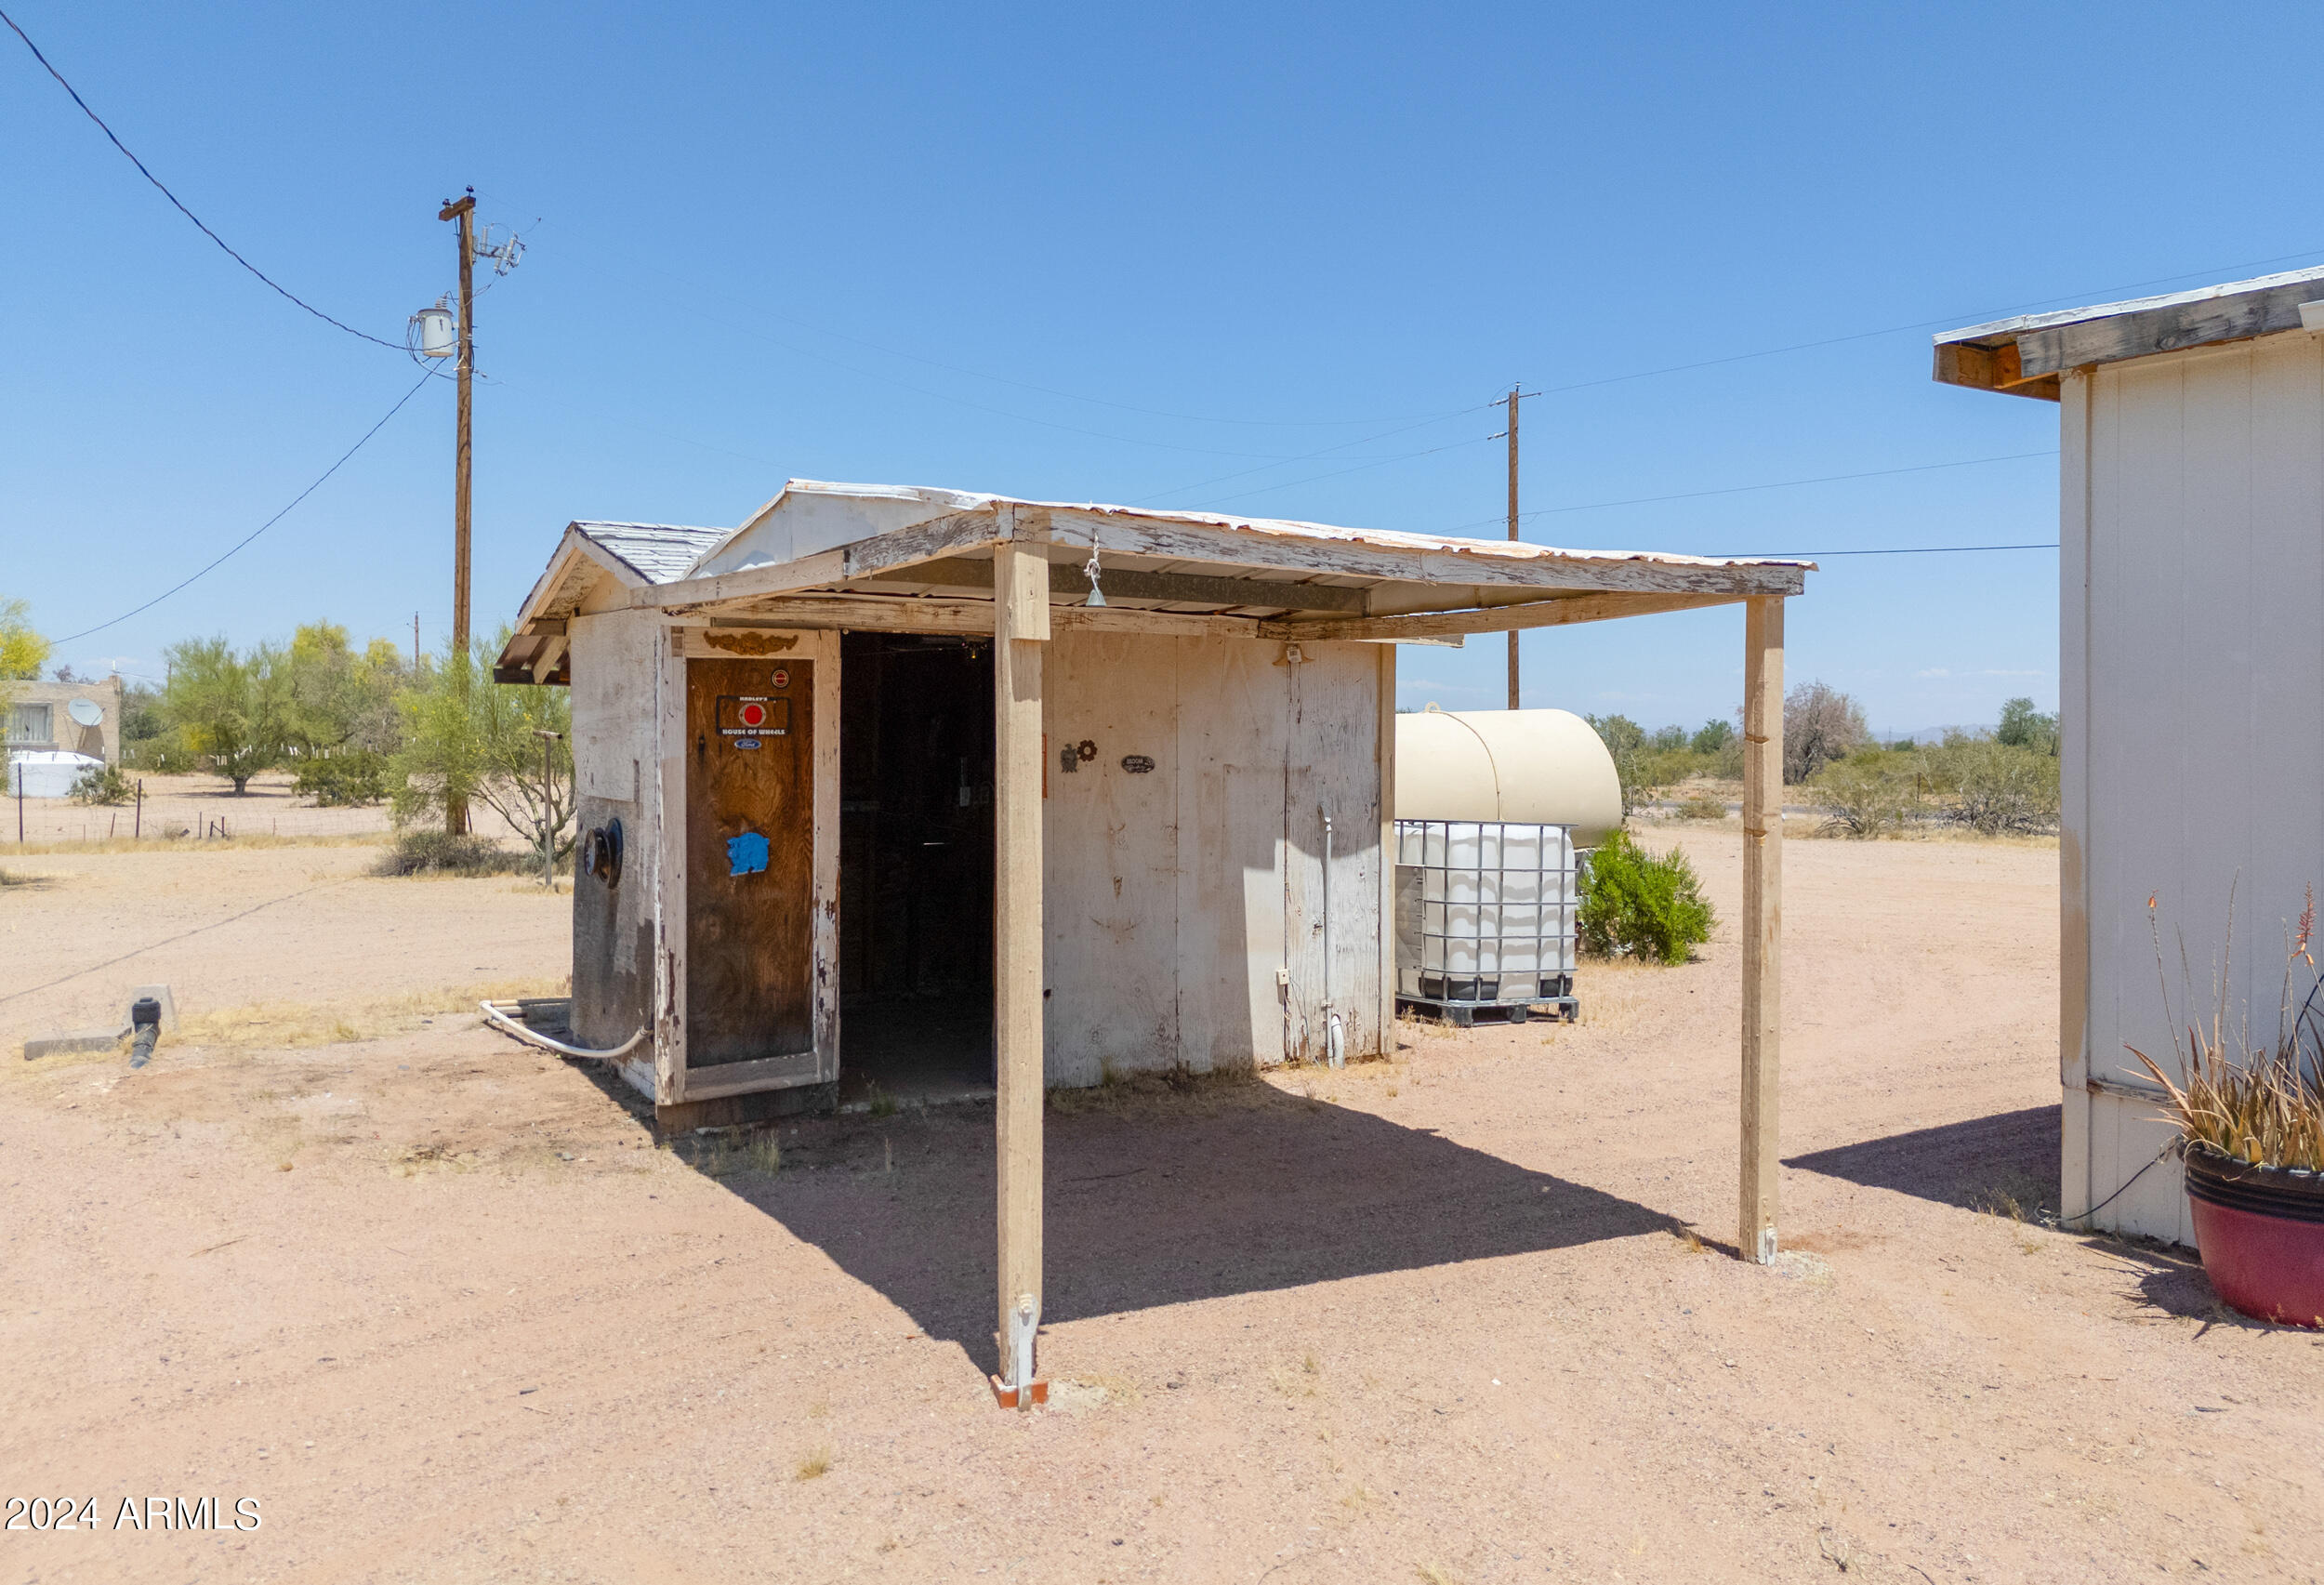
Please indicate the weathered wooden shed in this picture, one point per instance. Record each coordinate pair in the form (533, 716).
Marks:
(924, 789)
(2191, 572)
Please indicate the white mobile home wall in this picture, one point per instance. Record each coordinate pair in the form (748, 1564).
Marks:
(2191, 685)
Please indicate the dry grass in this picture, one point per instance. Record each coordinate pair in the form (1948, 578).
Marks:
(2255, 1100)
(57, 1061)
(814, 1466)
(1178, 1093)
(275, 1026)
(1113, 1389)
(189, 844)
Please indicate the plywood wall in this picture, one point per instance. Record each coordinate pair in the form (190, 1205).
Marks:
(2192, 575)
(614, 756)
(1182, 903)
(1180, 900)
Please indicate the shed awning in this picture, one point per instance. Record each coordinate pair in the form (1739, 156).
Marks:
(909, 559)
(2024, 356)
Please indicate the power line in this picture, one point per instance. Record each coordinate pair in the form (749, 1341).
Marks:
(1928, 323)
(163, 191)
(269, 522)
(1377, 462)
(1007, 413)
(1887, 551)
(1776, 485)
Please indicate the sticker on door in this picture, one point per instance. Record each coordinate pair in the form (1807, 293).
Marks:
(746, 854)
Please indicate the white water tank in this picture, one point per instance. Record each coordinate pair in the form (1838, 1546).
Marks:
(1535, 767)
(46, 773)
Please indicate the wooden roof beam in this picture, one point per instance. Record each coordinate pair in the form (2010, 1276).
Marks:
(1993, 368)
(1576, 574)
(1125, 583)
(939, 537)
(1495, 619)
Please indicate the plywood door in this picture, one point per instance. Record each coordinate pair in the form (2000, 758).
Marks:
(1231, 747)
(1332, 767)
(1111, 882)
(750, 827)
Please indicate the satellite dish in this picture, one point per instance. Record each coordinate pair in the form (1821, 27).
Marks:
(88, 712)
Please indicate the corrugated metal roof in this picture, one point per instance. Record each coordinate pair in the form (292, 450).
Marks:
(2003, 328)
(658, 552)
(899, 505)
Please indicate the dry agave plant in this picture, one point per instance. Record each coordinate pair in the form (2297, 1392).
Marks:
(2261, 1104)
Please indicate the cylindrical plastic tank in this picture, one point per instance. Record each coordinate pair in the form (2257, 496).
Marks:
(1537, 767)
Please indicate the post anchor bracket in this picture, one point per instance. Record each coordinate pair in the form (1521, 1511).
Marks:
(1024, 1389)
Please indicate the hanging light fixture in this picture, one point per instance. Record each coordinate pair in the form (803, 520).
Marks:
(1090, 571)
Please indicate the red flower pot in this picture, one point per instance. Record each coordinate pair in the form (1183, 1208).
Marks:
(2260, 1231)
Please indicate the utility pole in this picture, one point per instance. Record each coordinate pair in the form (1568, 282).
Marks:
(463, 210)
(1514, 395)
(416, 646)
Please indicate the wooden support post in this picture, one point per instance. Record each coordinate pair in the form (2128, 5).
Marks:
(1762, 920)
(1020, 626)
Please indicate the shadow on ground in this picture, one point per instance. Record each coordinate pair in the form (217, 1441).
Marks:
(1239, 1189)
(1975, 1163)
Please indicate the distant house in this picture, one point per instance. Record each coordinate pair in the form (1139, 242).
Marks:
(69, 718)
(2191, 589)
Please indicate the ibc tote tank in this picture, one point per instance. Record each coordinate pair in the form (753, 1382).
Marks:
(1535, 767)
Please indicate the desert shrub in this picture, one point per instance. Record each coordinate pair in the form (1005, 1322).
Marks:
(436, 852)
(1869, 793)
(344, 780)
(1703, 806)
(1625, 741)
(1647, 906)
(2025, 727)
(1714, 735)
(1665, 766)
(1820, 724)
(1669, 739)
(1992, 787)
(102, 784)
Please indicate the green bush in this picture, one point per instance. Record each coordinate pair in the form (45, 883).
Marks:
(1869, 793)
(345, 780)
(1702, 806)
(102, 784)
(436, 852)
(1992, 787)
(1715, 734)
(2025, 727)
(1633, 902)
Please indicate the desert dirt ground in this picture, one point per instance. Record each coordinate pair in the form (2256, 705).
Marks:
(188, 808)
(444, 1307)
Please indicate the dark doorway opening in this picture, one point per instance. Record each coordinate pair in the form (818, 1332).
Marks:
(916, 868)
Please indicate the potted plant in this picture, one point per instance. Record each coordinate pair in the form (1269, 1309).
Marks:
(2250, 1121)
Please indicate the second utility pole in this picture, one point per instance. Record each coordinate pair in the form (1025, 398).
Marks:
(1513, 394)
(464, 211)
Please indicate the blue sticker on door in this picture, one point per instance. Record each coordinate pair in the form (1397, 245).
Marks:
(746, 853)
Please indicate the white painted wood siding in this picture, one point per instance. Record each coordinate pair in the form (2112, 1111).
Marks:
(614, 754)
(2192, 686)
(1173, 898)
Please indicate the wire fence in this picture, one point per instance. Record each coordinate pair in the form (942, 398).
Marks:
(199, 808)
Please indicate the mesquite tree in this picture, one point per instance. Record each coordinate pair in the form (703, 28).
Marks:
(469, 736)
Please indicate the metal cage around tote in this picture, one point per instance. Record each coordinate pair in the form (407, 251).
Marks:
(1484, 915)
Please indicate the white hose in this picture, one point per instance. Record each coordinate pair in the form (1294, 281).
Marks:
(521, 1033)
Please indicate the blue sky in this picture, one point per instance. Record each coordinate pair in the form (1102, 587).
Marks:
(1228, 255)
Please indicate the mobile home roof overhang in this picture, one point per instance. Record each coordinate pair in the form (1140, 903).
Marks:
(910, 560)
(2024, 356)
